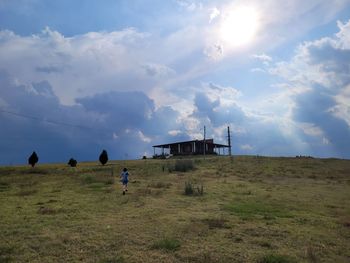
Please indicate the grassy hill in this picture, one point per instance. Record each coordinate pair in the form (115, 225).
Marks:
(245, 209)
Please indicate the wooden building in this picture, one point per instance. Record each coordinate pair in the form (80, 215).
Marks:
(191, 147)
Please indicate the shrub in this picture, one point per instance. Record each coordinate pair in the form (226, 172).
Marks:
(183, 165)
(6, 253)
(311, 254)
(169, 244)
(160, 156)
(88, 179)
(192, 189)
(103, 157)
(33, 159)
(4, 186)
(144, 157)
(188, 188)
(72, 162)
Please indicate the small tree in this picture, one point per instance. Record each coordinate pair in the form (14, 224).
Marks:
(72, 162)
(33, 159)
(103, 157)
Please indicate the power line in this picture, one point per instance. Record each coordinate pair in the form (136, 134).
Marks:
(44, 120)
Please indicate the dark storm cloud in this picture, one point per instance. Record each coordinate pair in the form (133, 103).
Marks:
(32, 118)
(313, 107)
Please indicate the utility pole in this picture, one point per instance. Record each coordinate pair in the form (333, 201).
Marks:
(204, 142)
(229, 140)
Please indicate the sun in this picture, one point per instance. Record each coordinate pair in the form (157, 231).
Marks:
(239, 26)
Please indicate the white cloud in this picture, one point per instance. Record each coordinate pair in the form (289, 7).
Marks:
(343, 35)
(213, 14)
(190, 5)
(325, 141)
(215, 51)
(246, 147)
(84, 64)
(143, 137)
(174, 132)
(273, 18)
(342, 108)
(317, 81)
(257, 70)
(226, 95)
(311, 129)
(262, 57)
(157, 70)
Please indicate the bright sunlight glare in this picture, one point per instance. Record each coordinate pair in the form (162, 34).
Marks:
(239, 26)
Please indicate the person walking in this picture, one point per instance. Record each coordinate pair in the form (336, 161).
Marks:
(124, 178)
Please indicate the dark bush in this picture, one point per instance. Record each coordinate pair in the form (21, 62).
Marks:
(72, 162)
(160, 156)
(33, 159)
(144, 157)
(183, 165)
(103, 157)
(188, 188)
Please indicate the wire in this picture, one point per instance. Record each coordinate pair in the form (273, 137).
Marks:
(43, 120)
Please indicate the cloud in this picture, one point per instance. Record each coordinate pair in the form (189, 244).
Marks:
(129, 89)
(190, 5)
(213, 14)
(246, 147)
(262, 57)
(311, 129)
(97, 62)
(320, 74)
(174, 132)
(270, 135)
(124, 123)
(257, 70)
(265, 59)
(159, 71)
(215, 51)
(104, 59)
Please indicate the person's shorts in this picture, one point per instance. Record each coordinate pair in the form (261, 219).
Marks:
(125, 182)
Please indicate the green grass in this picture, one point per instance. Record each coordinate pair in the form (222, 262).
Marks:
(249, 209)
(168, 244)
(254, 209)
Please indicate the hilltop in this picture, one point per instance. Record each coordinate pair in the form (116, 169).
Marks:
(242, 209)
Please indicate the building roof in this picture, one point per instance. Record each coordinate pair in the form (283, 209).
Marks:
(207, 141)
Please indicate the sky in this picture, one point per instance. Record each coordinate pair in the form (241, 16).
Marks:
(77, 77)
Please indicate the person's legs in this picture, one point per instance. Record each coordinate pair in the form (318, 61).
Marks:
(125, 188)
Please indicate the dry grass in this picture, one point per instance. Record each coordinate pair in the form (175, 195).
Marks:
(254, 209)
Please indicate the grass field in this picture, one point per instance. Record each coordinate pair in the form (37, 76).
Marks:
(243, 209)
